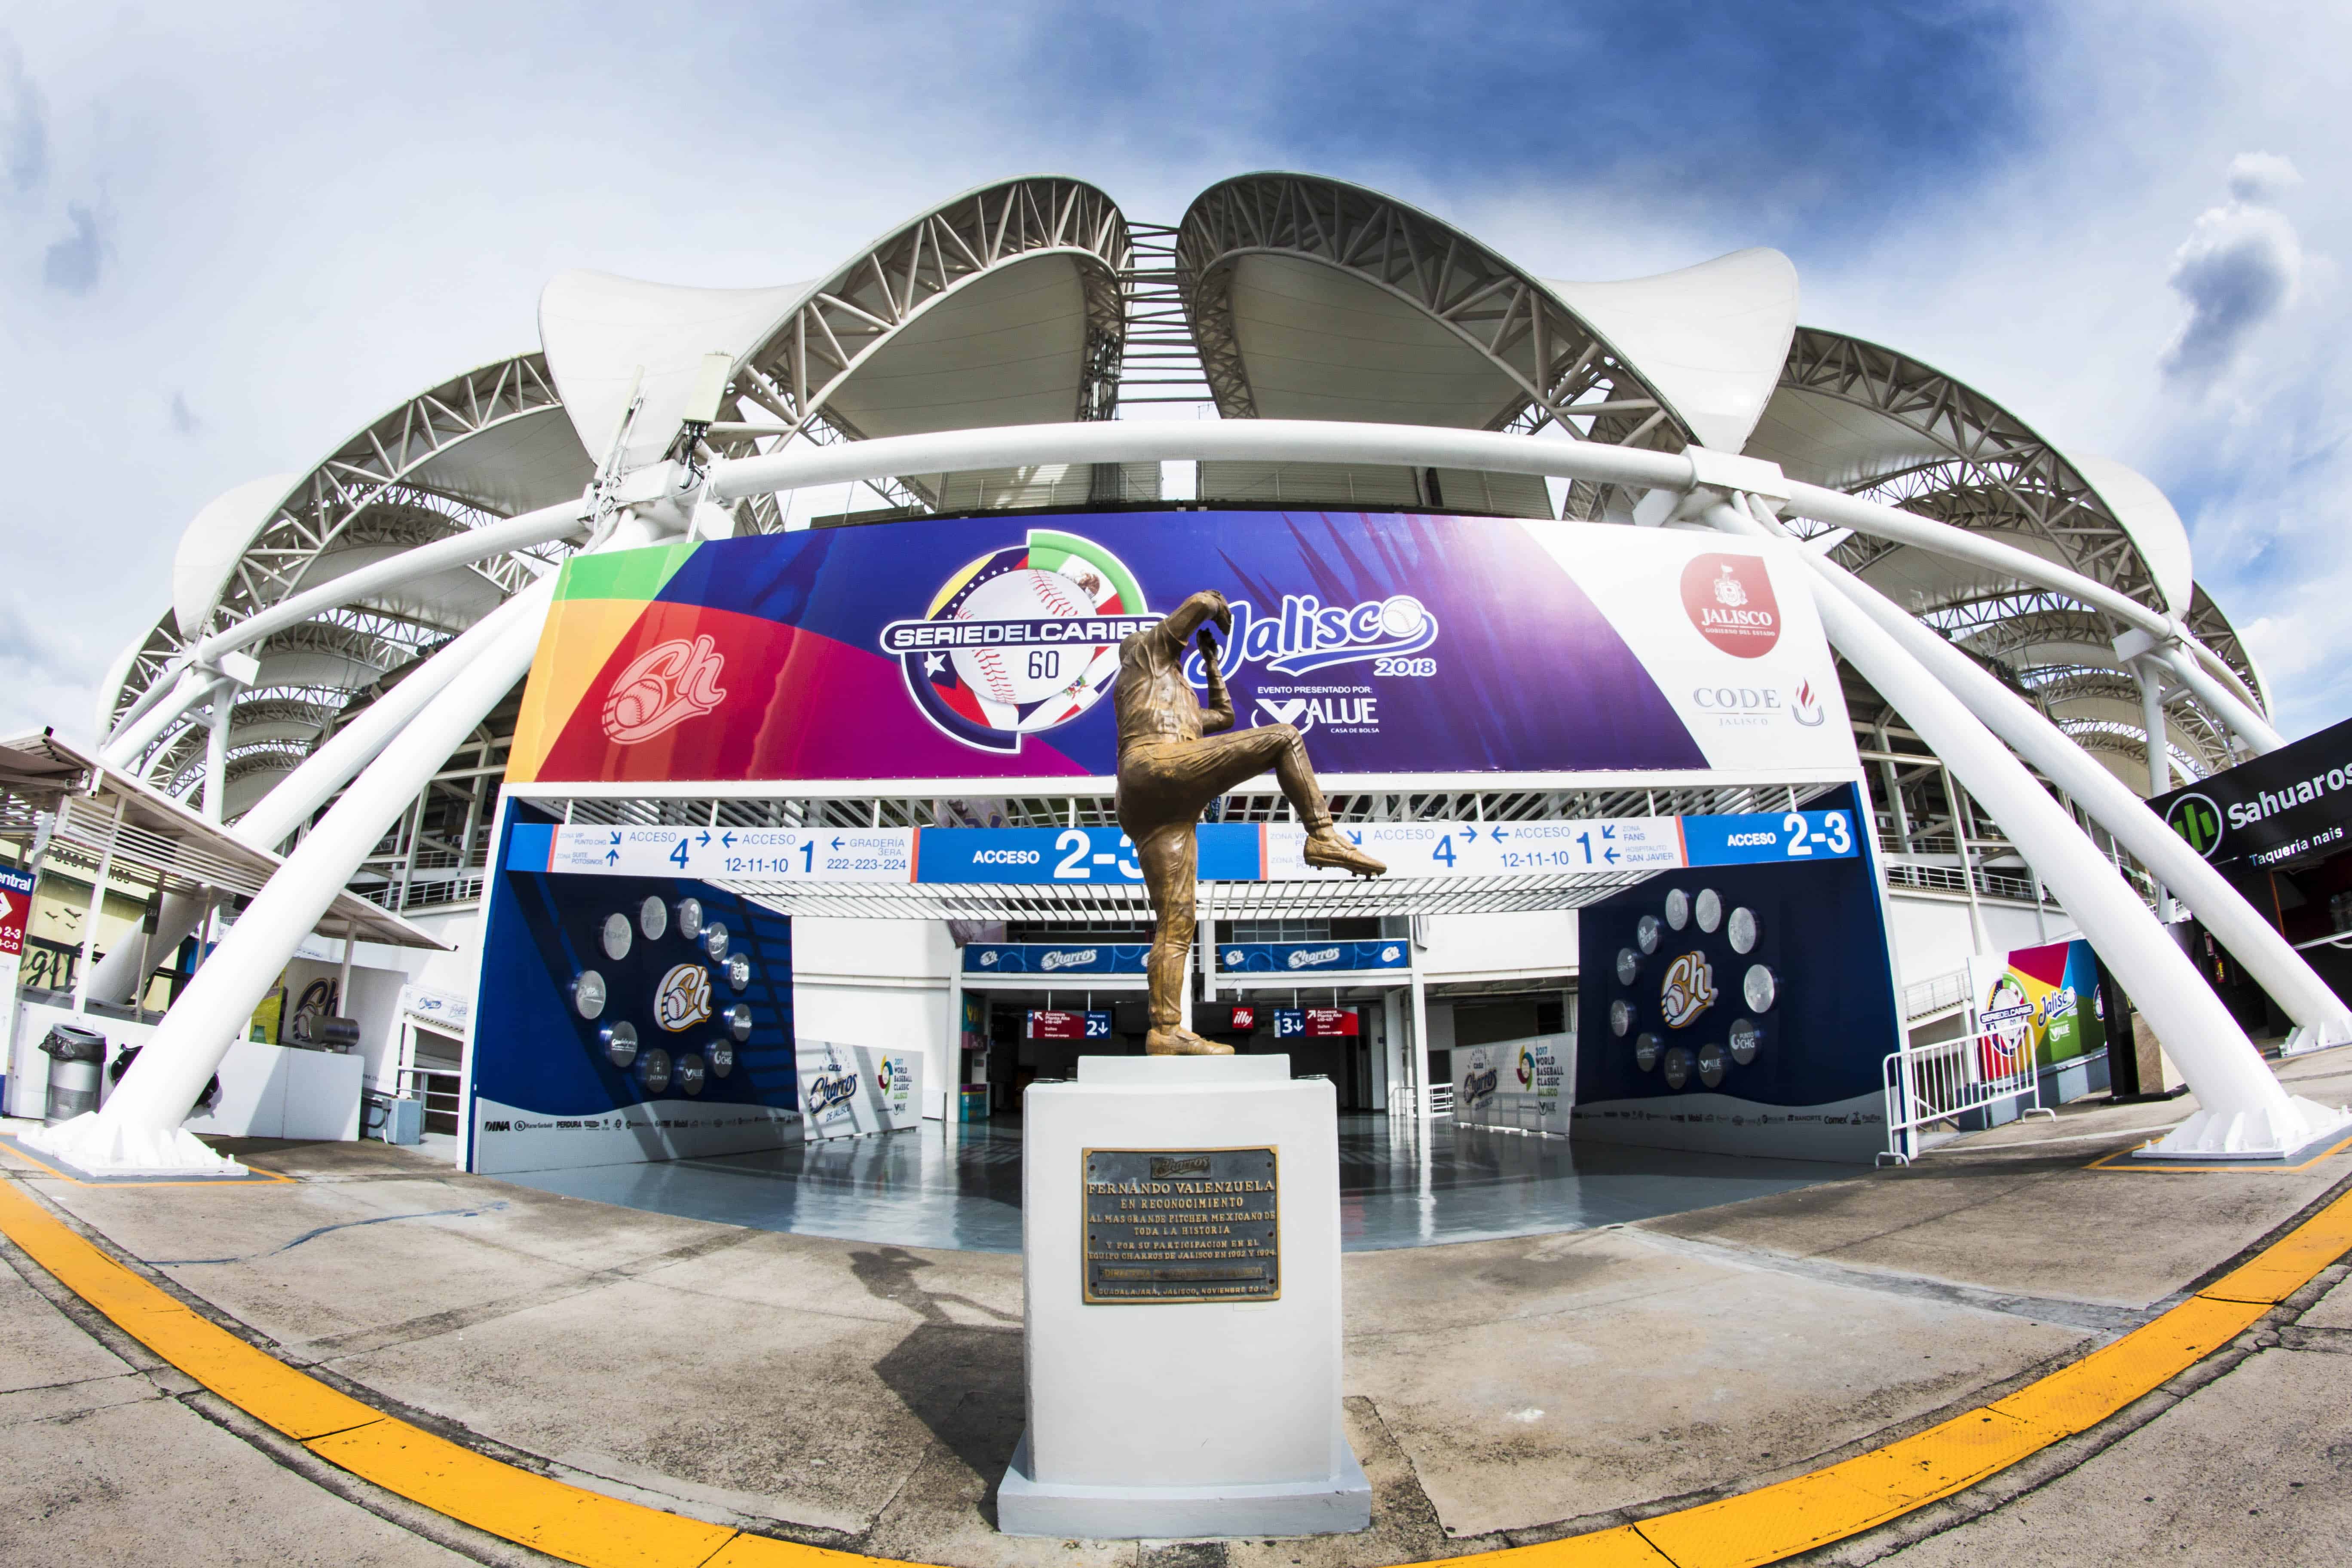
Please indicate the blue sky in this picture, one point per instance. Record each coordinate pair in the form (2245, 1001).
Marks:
(230, 235)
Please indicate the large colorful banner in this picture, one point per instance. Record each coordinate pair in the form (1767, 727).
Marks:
(981, 649)
(2042, 1004)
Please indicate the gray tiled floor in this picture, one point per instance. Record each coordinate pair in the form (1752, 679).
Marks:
(959, 1186)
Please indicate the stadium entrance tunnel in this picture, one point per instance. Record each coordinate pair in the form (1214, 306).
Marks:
(798, 850)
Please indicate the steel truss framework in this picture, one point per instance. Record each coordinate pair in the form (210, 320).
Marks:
(371, 490)
(1995, 475)
(793, 375)
(1560, 371)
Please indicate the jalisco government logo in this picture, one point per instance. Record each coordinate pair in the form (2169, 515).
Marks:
(1729, 599)
(662, 687)
(1021, 641)
(2198, 821)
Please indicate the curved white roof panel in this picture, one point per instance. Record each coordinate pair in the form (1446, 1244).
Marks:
(2144, 513)
(215, 541)
(600, 331)
(1713, 337)
(1006, 348)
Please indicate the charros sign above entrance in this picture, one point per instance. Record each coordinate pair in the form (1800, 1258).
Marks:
(963, 649)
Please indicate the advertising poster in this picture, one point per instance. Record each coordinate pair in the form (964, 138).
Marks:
(849, 1091)
(15, 910)
(1517, 1084)
(969, 650)
(2042, 1004)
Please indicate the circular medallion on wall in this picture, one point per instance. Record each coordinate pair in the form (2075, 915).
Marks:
(1678, 909)
(620, 1041)
(653, 919)
(588, 993)
(1743, 930)
(1708, 908)
(1676, 1066)
(1760, 987)
(653, 1070)
(1746, 1039)
(613, 938)
(1712, 1061)
(1645, 1051)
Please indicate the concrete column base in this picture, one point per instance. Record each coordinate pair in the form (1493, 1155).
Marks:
(1338, 1505)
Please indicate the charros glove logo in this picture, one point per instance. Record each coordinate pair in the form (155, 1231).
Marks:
(683, 998)
(1687, 991)
(662, 687)
(1729, 599)
(1020, 641)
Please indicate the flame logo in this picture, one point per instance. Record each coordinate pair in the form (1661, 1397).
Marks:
(664, 687)
(1808, 709)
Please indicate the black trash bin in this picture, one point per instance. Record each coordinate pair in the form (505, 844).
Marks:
(74, 1056)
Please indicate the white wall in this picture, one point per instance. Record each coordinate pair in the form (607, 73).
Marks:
(1932, 934)
(882, 984)
(1465, 947)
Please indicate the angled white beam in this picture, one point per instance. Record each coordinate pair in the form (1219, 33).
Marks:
(2244, 1111)
(521, 532)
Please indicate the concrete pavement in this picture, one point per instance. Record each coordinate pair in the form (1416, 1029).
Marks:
(867, 1397)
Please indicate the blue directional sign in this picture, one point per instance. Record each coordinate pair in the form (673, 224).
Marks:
(1767, 838)
(1229, 852)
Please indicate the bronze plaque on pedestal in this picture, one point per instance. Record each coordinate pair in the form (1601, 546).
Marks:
(1182, 1225)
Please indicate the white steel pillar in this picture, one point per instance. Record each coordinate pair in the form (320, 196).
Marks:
(216, 750)
(97, 908)
(339, 759)
(2160, 758)
(1417, 1049)
(2251, 726)
(2244, 1111)
(2320, 1015)
(139, 1127)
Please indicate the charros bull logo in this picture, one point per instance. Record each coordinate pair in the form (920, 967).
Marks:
(1729, 599)
(683, 998)
(1020, 641)
(662, 687)
(1687, 991)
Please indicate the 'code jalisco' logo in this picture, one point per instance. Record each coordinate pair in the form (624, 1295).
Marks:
(1020, 641)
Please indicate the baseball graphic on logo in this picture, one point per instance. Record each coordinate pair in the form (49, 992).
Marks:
(1403, 616)
(662, 687)
(683, 999)
(1020, 641)
(1017, 673)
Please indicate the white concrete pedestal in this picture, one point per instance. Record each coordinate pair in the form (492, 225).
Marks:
(1158, 1420)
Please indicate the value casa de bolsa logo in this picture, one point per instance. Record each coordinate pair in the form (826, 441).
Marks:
(1025, 639)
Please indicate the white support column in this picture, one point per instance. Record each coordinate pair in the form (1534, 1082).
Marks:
(97, 908)
(2320, 1015)
(1417, 1048)
(2244, 1112)
(2222, 702)
(2160, 757)
(1978, 933)
(138, 1127)
(951, 1066)
(275, 816)
(215, 785)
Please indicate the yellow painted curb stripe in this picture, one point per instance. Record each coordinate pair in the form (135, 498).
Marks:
(1754, 1528)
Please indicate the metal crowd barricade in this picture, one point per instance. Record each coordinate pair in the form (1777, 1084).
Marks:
(1946, 1079)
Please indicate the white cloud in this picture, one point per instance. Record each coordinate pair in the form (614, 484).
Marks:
(2238, 271)
(2262, 177)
